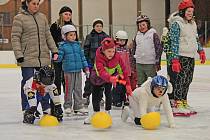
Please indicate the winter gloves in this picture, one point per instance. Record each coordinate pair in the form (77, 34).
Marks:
(115, 79)
(137, 121)
(20, 60)
(202, 56)
(176, 66)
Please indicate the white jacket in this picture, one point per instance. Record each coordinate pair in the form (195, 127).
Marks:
(142, 101)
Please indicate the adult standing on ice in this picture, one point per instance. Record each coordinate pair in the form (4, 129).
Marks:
(31, 42)
(184, 45)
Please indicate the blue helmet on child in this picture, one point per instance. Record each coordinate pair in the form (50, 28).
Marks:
(159, 81)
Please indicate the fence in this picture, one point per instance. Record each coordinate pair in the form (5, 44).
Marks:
(203, 32)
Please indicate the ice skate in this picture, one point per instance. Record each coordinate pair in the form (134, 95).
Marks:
(191, 109)
(81, 112)
(29, 115)
(87, 120)
(68, 112)
(86, 102)
(58, 112)
(125, 113)
(179, 109)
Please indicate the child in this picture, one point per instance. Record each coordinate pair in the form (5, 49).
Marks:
(145, 98)
(43, 82)
(147, 50)
(107, 69)
(73, 61)
(119, 93)
(184, 46)
(90, 45)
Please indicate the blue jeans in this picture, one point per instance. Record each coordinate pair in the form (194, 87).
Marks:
(27, 73)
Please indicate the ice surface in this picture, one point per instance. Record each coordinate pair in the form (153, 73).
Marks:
(194, 128)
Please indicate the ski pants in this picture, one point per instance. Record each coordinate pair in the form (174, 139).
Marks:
(97, 96)
(181, 81)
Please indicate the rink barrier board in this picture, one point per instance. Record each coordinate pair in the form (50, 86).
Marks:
(197, 62)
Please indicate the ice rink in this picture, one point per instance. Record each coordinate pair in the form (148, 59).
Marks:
(196, 127)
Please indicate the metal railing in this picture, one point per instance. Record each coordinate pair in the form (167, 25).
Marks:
(203, 32)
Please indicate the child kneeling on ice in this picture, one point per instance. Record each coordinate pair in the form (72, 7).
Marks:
(108, 69)
(145, 98)
(36, 89)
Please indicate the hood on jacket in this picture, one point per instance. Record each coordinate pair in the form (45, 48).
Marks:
(175, 17)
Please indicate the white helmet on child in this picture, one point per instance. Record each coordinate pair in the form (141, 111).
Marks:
(121, 35)
(68, 28)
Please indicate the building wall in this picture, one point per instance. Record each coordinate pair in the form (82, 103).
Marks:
(156, 14)
(124, 13)
(12, 7)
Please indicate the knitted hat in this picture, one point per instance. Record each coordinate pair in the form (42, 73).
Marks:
(65, 9)
(107, 43)
(185, 4)
(97, 21)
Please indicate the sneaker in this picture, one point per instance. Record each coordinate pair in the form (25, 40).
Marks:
(179, 109)
(191, 109)
(125, 113)
(68, 111)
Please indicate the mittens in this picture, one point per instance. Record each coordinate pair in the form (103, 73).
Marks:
(176, 66)
(202, 56)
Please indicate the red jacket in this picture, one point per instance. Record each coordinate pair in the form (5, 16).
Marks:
(106, 68)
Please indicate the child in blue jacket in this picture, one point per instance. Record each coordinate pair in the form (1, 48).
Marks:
(73, 61)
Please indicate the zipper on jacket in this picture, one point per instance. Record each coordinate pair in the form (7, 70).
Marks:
(38, 40)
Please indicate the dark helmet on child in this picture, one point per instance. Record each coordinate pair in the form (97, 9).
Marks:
(159, 81)
(142, 18)
(46, 75)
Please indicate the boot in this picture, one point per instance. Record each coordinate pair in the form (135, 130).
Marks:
(58, 112)
(125, 113)
(185, 104)
(179, 109)
(29, 115)
(88, 119)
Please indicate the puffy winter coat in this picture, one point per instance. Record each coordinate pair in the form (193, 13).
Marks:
(72, 56)
(146, 101)
(91, 44)
(106, 68)
(31, 39)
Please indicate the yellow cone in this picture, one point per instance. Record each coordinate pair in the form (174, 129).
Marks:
(101, 120)
(48, 120)
(151, 120)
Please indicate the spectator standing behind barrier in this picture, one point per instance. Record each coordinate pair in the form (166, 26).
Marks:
(147, 50)
(31, 43)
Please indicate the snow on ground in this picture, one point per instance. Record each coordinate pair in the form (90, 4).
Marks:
(194, 128)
